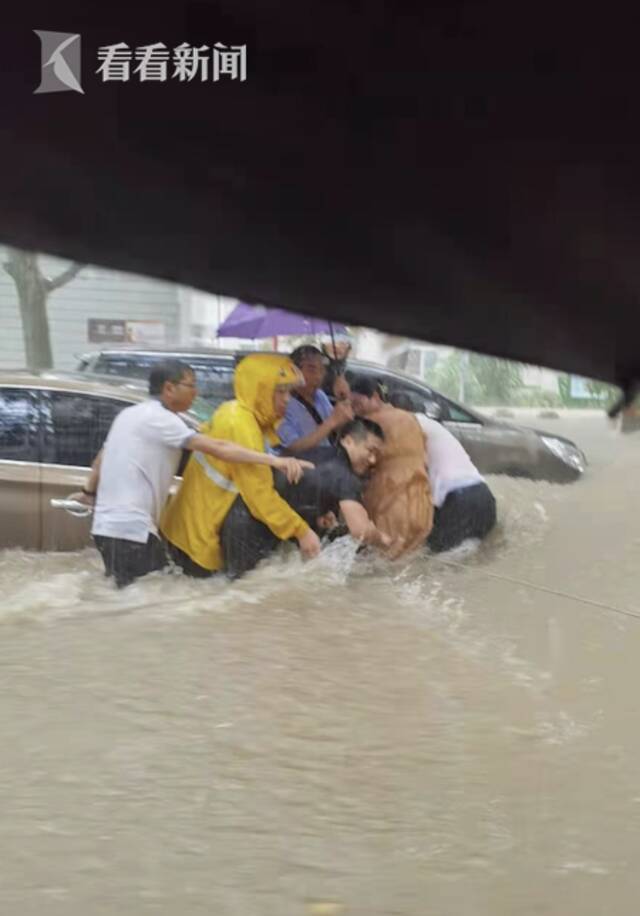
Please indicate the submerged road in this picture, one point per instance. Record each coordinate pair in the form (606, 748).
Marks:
(445, 736)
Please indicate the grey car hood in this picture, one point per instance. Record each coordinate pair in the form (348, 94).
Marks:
(489, 421)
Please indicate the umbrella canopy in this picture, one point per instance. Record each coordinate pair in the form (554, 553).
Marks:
(253, 321)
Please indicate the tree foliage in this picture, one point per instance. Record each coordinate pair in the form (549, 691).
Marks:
(498, 379)
(601, 393)
(486, 379)
(490, 381)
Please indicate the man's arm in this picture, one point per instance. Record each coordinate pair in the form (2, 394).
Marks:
(425, 437)
(340, 415)
(363, 529)
(238, 454)
(90, 488)
(360, 525)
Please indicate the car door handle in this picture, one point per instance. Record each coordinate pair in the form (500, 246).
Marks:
(72, 507)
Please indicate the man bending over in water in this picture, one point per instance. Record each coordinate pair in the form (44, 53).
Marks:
(333, 487)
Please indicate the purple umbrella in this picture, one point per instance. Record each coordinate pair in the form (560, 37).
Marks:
(253, 321)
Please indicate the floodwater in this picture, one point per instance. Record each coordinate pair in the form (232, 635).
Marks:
(449, 736)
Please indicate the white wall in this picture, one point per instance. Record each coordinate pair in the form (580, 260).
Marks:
(94, 293)
(370, 345)
(203, 313)
(380, 348)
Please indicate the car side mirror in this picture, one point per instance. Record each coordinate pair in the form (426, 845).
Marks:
(433, 410)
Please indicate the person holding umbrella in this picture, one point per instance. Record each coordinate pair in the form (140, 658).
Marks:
(337, 351)
(311, 421)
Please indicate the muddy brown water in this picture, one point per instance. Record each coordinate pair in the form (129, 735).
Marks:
(454, 736)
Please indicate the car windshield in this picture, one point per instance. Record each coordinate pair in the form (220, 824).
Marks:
(450, 729)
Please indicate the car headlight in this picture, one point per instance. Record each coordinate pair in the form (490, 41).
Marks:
(566, 452)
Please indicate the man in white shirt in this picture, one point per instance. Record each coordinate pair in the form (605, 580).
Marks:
(132, 475)
(464, 505)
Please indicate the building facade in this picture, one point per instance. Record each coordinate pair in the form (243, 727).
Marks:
(102, 308)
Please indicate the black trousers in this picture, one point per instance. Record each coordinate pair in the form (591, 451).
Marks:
(244, 540)
(129, 560)
(466, 513)
(188, 566)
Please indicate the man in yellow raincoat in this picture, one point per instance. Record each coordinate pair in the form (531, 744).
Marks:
(193, 521)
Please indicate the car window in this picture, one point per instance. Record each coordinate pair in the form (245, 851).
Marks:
(418, 393)
(215, 383)
(127, 366)
(458, 415)
(450, 411)
(76, 425)
(411, 399)
(19, 426)
(201, 409)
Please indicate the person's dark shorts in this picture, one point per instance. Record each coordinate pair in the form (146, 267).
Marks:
(466, 513)
(130, 560)
(188, 566)
(244, 540)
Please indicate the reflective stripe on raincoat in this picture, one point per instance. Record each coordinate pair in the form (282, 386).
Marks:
(194, 517)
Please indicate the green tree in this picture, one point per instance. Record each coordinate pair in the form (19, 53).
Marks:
(477, 379)
(604, 393)
(446, 377)
(498, 379)
(601, 394)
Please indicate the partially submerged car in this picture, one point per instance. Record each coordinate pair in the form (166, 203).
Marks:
(495, 447)
(52, 425)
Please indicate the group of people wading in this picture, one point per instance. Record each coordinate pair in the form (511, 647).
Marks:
(300, 454)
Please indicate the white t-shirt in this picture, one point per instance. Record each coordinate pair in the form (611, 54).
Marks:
(141, 456)
(448, 465)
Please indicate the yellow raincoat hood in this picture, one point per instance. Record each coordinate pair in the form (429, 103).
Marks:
(194, 517)
(256, 378)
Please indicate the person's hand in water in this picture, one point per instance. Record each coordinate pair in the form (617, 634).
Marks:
(292, 468)
(309, 544)
(393, 547)
(327, 521)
